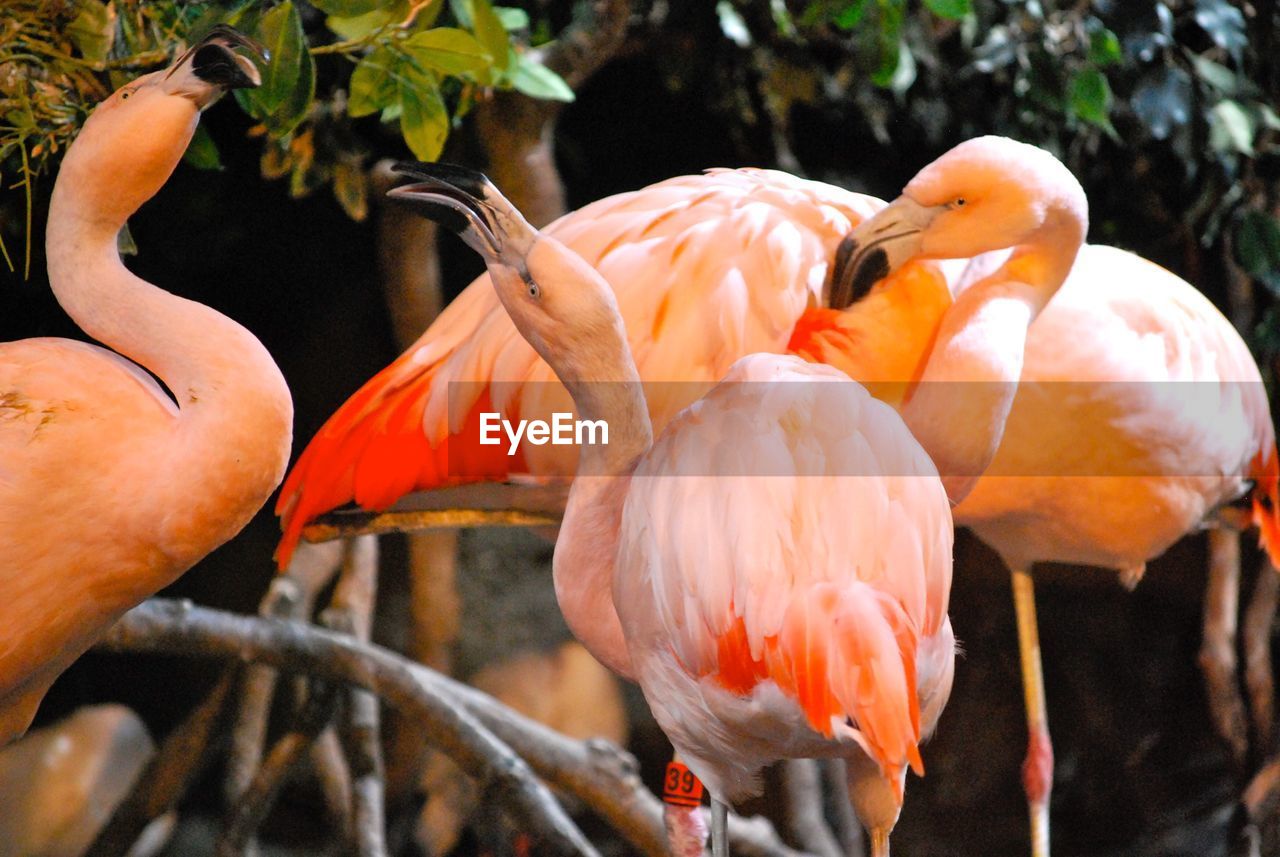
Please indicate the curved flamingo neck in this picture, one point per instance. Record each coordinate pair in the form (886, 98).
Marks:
(959, 409)
(595, 364)
(233, 417)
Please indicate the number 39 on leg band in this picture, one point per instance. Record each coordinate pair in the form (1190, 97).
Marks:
(680, 787)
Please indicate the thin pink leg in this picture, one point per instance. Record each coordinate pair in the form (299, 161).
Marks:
(681, 811)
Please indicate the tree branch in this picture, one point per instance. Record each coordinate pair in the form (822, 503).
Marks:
(181, 758)
(599, 774)
(180, 628)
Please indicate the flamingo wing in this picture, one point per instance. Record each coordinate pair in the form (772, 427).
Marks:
(788, 529)
(1130, 372)
(706, 268)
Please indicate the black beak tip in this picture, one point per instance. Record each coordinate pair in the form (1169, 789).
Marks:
(871, 269)
(217, 64)
(465, 179)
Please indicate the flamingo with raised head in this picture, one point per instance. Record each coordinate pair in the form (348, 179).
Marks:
(109, 489)
(718, 567)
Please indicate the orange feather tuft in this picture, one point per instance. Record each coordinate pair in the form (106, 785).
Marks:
(1265, 472)
(841, 653)
(376, 448)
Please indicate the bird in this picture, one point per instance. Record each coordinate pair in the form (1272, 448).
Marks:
(109, 488)
(720, 566)
(1140, 412)
(706, 268)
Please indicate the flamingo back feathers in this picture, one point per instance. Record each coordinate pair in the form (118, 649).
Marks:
(813, 553)
(706, 268)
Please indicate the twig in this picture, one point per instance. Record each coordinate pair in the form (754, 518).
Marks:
(599, 774)
(491, 504)
(181, 758)
(848, 829)
(352, 613)
(247, 814)
(183, 629)
(802, 793)
(290, 596)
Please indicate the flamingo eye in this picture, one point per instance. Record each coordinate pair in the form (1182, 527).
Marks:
(124, 95)
(534, 291)
(959, 203)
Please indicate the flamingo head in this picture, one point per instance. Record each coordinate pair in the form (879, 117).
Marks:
(133, 140)
(988, 193)
(560, 303)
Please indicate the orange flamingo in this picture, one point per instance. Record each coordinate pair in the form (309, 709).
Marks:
(706, 269)
(720, 567)
(1141, 411)
(108, 489)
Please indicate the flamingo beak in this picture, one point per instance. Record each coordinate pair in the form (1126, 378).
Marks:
(454, 198)
(214, 59)
(879, 246)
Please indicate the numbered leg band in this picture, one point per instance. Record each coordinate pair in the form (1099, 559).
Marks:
(680, 787)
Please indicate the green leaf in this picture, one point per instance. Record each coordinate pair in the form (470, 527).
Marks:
(93, 30)
(490, 32)
(536, 80)
(849, 17)
(888, 41)
(448, 50)
(424, 122)
(362, 26)
(346, 8)
(1104, 47)
(732, 24)
(125, 245)
(1216, 75)
(1090, 96)
(373, 83)
(953, 9)
(1257, 247)
(202, 152)
(1224, 23)
(1231, 128)
(512, 18)
(288, 81)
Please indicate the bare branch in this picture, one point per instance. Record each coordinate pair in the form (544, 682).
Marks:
(248, 813)
(596, 772)
(802, 793)
(490, 504)
(352, 612)
(181, 628)
(290, 596)
(181, 758)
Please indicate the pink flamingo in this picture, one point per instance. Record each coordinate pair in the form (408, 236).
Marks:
(108, 489)
(803, 614)
(706, 269)
(1138, 398)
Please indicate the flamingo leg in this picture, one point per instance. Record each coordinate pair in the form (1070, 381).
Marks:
(1259, 616)
(682, 811)
(1037, 769)
(1218, 647)
(879, 842)
(719, 828)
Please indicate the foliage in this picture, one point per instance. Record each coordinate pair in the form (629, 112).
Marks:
(1167, 110)
(419, 65)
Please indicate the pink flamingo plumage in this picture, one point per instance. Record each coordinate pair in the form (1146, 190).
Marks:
(706, 269)
(760, 623)
(1138, 398)
(108, 489)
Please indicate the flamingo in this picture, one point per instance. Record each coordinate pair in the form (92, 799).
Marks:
(774, 570)
(1140, 412)
(109, 489)
(706, 269)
